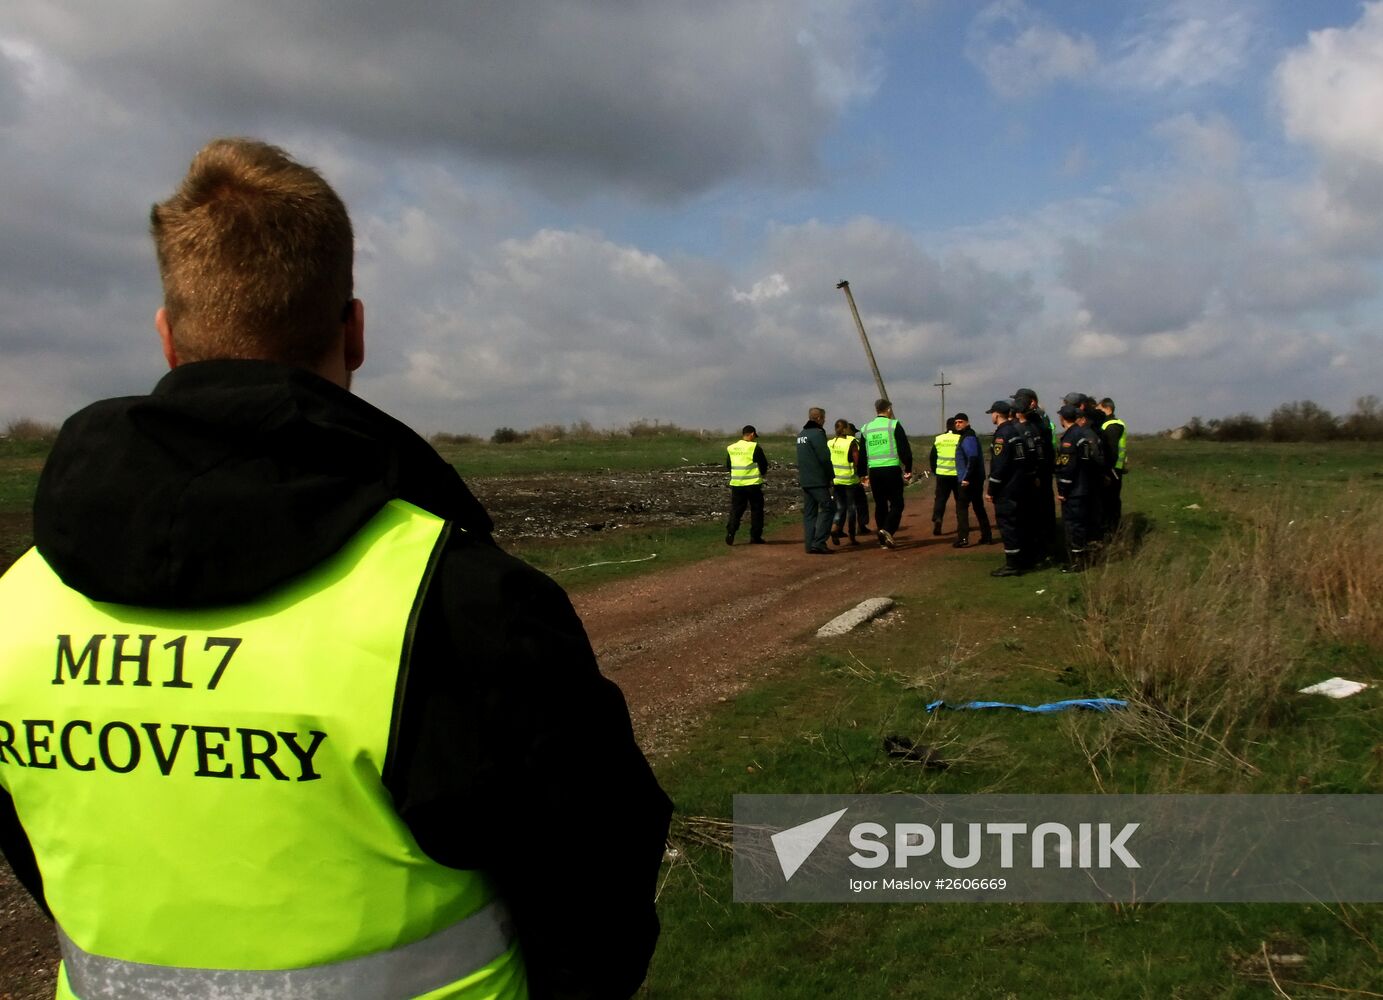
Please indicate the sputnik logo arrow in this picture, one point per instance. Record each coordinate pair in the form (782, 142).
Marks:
(795, 845)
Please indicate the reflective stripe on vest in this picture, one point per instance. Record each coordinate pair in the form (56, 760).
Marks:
(744, 471)
(881, 443)
(410, 970)
(205, 790)
(840, 461)
(946, 453)
(1123, 442)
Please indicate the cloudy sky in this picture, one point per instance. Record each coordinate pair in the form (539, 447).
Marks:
(609, 210)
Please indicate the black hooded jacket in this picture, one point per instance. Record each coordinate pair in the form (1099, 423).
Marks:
(512, 754)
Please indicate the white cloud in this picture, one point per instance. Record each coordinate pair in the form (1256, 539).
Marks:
(1331, 89)
(1186, 43)
(775, 286)
(1020, 53)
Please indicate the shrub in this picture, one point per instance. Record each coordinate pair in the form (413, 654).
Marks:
(506, 435)
(445, 438)
(30, 431)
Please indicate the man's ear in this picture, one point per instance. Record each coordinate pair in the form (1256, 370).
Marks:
(353, 346)
(165, 335)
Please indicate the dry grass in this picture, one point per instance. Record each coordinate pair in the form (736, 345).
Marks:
(1200, 641)
(1335, 568)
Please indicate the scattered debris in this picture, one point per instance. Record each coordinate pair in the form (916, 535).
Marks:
(855, 617)
(1335, 687)
(919, 753)
(1194, 506)
(1095, 704)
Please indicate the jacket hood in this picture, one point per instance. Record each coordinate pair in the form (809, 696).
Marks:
(229, 478)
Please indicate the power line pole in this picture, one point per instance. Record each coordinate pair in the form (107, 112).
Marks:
(844, 286)
(942, 386)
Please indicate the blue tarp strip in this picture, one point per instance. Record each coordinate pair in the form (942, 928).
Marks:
(1097, 704)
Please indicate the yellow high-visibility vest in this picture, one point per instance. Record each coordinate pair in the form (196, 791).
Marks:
(881, 443)
(840, 461)
(203, 788)
(1122, 457)
(946, 453)
(744, 471)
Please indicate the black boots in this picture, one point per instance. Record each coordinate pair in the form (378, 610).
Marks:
(1011, 566)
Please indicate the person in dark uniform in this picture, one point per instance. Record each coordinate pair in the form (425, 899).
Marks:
(970, 473)
(1008, 476)
(942, 461)
(748, 466)
(815, 475)
(1090, 419)
(1115, 435)
(1035, 539)
(1078, 477)
(1048, 534)
(885, 463)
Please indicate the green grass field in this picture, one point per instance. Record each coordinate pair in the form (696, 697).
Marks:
(1245, 536)
(819, 727)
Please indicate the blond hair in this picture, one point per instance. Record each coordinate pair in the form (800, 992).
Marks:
(255, 251)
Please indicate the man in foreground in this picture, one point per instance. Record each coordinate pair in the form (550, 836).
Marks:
(310, 731)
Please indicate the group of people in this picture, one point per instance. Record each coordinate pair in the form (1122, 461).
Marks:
(1079, 463)
(1085, 462)
(834, 473)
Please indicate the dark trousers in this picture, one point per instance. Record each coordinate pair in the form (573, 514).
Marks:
(972, 496)
(1035, 536)
(1049, 532)
(861, 496)
(1114, 504)
(946, 487)
(1006, 513)
(753, 498)
(1075, 518)
(848, 519)
(817, 508)
(887, 486)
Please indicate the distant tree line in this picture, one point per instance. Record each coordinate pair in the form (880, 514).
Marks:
(1299, 421)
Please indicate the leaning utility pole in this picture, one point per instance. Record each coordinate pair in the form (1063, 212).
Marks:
(844, 286)
(942, 386)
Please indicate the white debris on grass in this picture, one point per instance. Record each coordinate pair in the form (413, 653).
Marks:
(855, 617)
(1335, 687)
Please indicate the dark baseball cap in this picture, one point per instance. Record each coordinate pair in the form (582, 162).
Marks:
(1023, 394)
(962, 416)
(1001, 406)
(1074, 398)
(1068, 412)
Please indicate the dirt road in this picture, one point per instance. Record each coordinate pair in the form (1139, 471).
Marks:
(673, 641)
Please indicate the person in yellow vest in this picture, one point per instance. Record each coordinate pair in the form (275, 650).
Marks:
(885, 464)
(277, 716)
(748, 466)
(846, 486)
(942, 460)
(1115, 439)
